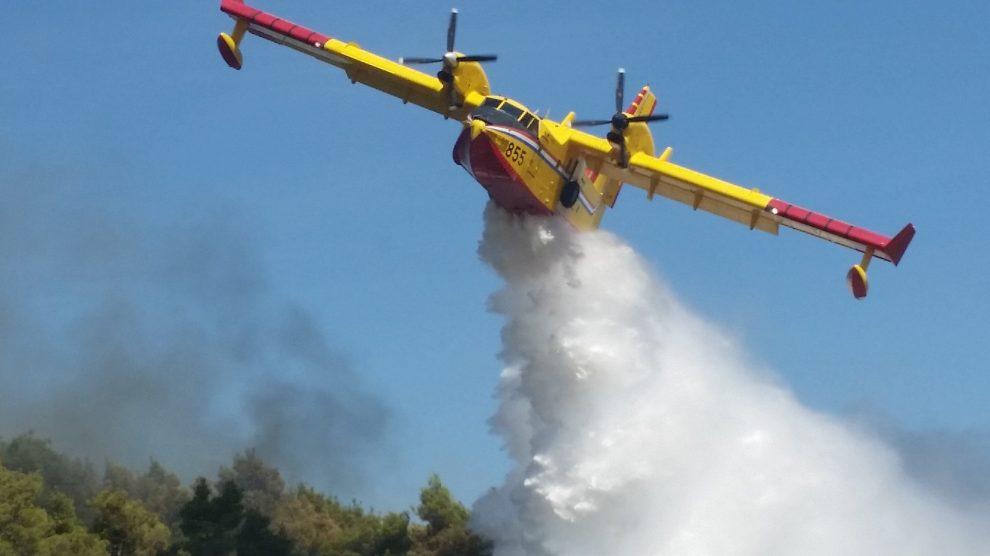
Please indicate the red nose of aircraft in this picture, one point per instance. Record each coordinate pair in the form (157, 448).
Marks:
(477, 153)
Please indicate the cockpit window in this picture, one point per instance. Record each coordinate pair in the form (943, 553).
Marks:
(528, 121)
(499, 111)
(513, 111)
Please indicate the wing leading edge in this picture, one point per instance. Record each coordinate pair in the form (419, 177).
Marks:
(361, 66)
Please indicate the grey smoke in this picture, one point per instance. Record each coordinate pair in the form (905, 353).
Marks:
(127, 340)
(953, 464)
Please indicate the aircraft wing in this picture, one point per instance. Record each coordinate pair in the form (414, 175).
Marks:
(658, 176)
(361, 66)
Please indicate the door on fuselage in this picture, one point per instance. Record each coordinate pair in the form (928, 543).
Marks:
(588, 208)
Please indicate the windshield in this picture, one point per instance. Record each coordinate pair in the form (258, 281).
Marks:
(499, 111)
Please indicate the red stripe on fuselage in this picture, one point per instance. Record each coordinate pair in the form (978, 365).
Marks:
(488, 165)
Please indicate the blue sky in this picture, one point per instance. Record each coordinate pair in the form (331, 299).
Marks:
(875, 113)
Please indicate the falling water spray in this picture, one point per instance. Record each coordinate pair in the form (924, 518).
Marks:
(635, 427)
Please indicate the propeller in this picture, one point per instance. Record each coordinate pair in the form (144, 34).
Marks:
(450, 59)
(620, 120)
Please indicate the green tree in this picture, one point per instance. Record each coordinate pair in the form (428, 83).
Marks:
(60, 509)
(207, 527)
(219, 525)
(26, 528)
(308, 518)
(256, 537)
(321, 525)
(393, 537)
(118, 477)
(439, 509)
(158, 490)
(162, 492)
(261, 484)
(374, 535)
(73, 477)
(127, 526)
(446, 532)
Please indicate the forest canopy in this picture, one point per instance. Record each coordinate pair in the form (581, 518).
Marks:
(54, 504)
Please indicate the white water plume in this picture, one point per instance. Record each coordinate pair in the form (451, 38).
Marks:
(637, 428)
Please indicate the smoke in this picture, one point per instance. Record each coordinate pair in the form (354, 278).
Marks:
(637, 428)
(126, 340)
(953, 464)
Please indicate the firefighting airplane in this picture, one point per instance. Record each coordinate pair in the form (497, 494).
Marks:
(531, 164)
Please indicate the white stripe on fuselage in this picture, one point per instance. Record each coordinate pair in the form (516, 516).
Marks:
(586, 203)
(532, 144)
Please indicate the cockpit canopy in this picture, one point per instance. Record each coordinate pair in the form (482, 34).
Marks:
(501, 111)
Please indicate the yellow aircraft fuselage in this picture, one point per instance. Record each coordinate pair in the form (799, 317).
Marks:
(502, 147)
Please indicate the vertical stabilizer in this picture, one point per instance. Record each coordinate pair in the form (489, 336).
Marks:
(644, 103)
(639, 139)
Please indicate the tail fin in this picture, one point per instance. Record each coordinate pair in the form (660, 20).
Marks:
(644, 103)
(639, 139)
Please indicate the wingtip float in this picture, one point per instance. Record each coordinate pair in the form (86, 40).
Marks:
(892, 250)
(535, 165)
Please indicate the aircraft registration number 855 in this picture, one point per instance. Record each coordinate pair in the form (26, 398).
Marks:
(515, 154)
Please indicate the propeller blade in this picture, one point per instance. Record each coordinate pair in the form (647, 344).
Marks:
(653, 118)
(452, 30)
(620, 88)
(478, 58)
(589, 123)
(420, 60)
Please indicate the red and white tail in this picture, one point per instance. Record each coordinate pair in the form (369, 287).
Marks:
(644, 103)
(639, 139)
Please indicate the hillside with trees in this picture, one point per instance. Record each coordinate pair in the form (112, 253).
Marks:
(52, 504)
